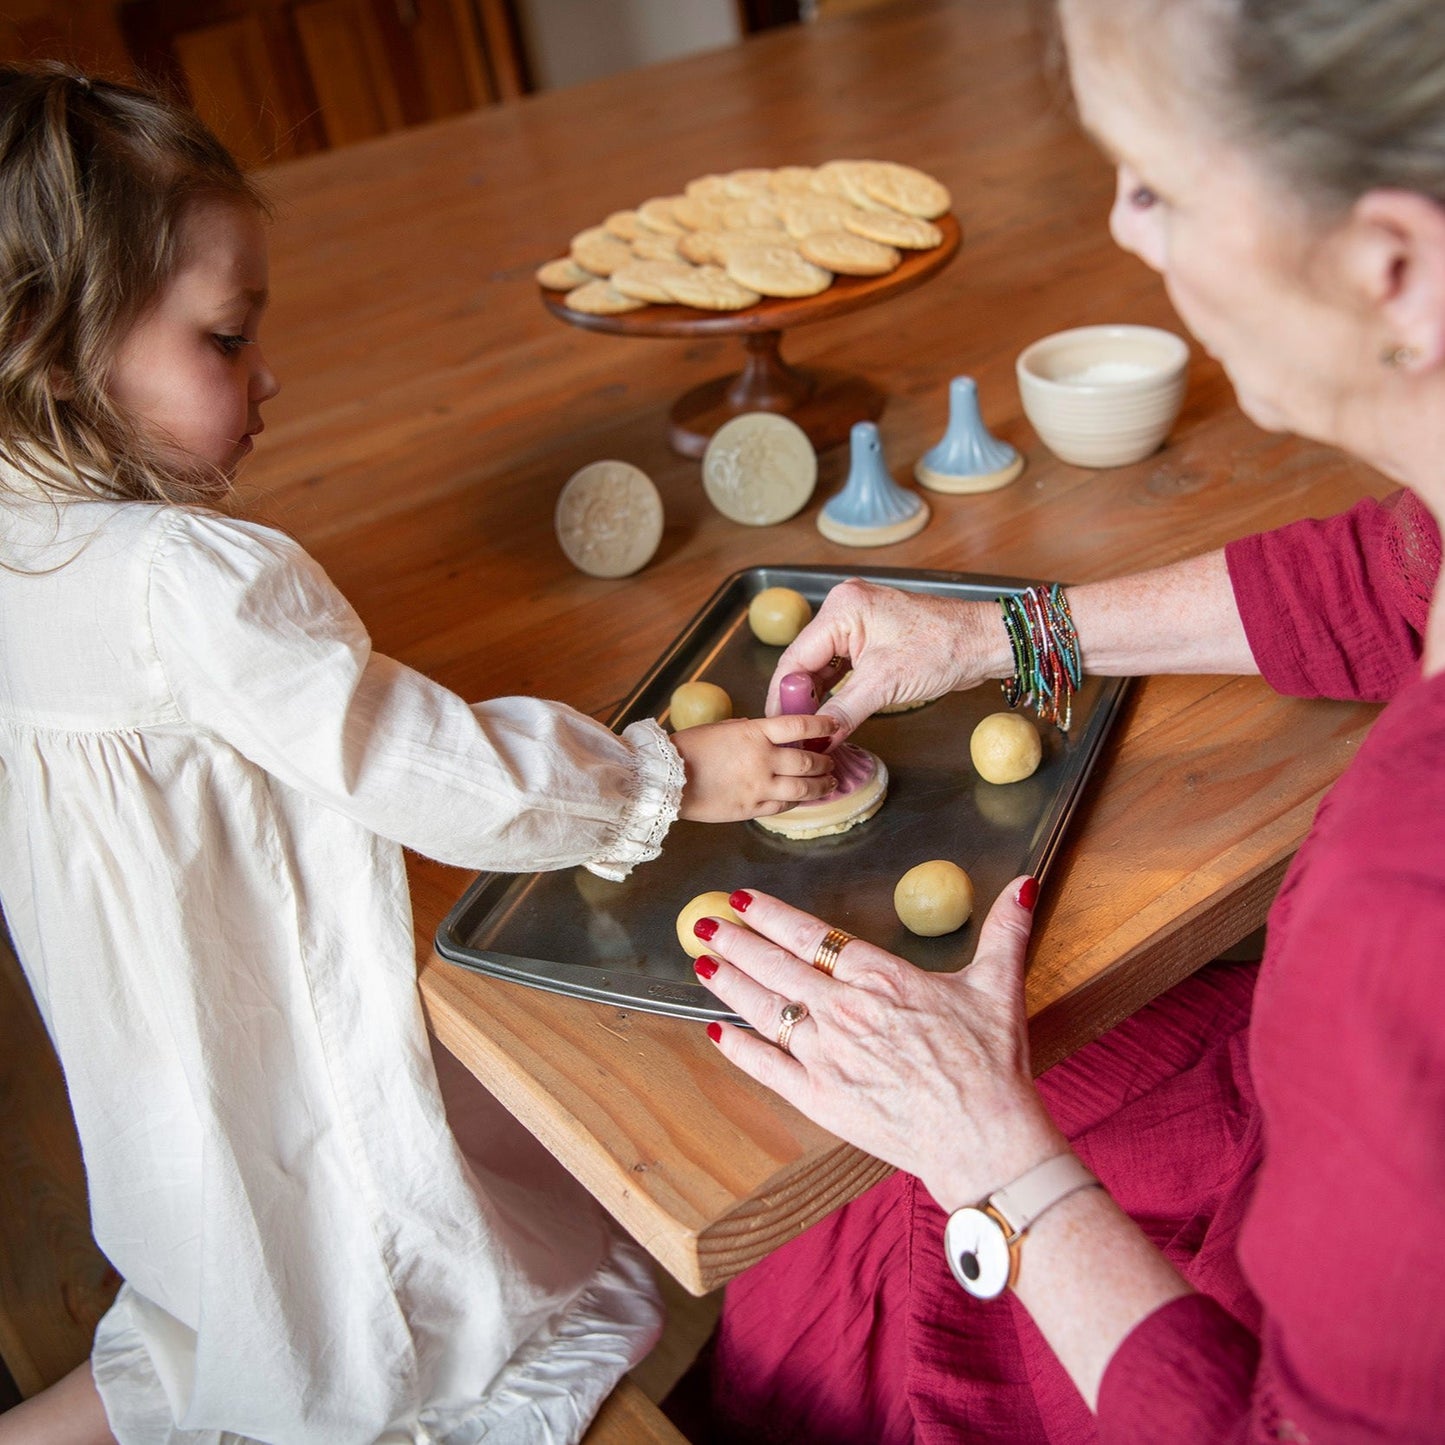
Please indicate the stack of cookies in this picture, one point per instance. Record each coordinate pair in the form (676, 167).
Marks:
(727, 241)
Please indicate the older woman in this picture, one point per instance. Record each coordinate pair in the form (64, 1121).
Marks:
(1266, 1257)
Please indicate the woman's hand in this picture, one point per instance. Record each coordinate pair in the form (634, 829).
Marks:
(904, 646)
(927, 1071)
(751, 767)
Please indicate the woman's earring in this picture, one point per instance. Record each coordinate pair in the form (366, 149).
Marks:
(1396, 357)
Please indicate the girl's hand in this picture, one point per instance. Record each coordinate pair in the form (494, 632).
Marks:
(747, 768)
(927, 1071)
(904, 647)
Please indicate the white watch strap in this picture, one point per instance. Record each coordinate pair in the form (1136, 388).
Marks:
(1044, 1186)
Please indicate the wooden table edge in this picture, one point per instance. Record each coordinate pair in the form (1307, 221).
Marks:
(704, 1252)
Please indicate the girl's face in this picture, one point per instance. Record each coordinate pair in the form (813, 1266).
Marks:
(190, 372)
(1246, 266)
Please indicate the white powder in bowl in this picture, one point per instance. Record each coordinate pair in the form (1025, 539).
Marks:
(1102, 371)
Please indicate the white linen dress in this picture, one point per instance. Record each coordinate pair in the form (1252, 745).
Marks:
(207, 778)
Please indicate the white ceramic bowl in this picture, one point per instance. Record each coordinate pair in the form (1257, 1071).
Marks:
(1103, 396)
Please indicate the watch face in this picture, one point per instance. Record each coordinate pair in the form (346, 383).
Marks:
(978, 1252)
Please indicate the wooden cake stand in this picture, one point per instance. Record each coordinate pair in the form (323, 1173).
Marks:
(824, 403)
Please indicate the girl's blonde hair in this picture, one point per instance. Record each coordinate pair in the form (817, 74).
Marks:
(95, 180)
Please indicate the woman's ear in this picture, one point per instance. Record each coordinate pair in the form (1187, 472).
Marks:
(1395, 254)
(62, 384)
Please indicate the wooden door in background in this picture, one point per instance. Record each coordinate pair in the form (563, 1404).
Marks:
(278, 78)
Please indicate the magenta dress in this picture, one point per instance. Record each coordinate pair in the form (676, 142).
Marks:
(1278, 1131)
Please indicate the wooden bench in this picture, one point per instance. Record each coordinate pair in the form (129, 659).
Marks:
(54, 1283)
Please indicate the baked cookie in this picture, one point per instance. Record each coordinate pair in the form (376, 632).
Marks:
(647, 280)
(806, 215)
(622, 224)
(599, 251)
(893, 228)
(847, 254)
(600, 298)
(776, 269)
(653, 246)
(791, 181)
(699, 247)
(656, 215)
(710, 288)
(748, 182)
(563, 274)
(903, 188)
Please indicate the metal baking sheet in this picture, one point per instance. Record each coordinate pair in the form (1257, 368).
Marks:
(574, 933)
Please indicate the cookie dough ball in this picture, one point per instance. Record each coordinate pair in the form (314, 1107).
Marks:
(695, 703)
(705, 905)
(1005, 748)
(934, 898)
(778, 614)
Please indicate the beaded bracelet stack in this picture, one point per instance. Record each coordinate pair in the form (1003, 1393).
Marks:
(1048, 668)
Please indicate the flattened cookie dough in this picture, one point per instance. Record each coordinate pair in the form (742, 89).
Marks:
(843, 809)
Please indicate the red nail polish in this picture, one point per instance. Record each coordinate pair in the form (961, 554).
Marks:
(740, 900)
(704, 967)
(1028, 893)
(714, 1032)
(705, 928)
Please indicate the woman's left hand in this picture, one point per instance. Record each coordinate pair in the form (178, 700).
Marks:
(926, 1071)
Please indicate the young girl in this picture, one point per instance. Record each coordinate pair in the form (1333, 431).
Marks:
(206, 781)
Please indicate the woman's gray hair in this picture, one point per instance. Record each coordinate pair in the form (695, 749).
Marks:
(1345, 96)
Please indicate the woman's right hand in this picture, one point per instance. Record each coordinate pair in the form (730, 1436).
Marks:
(905, 647)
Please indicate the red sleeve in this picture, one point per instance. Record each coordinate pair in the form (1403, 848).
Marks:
(1184, 1374)
(1337, 608)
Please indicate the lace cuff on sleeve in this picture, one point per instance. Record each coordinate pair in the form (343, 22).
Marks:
(656, 797)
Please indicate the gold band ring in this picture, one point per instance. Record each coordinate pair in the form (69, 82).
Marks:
(825, 960)
(792, 1014)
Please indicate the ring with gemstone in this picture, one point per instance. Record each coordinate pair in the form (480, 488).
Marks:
(792, 1015)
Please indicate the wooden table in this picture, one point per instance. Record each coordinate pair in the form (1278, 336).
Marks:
(432, 410)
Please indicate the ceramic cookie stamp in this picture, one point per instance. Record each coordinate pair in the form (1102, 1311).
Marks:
(759, 469)
(609, 519)
(872, 510)
(862, 777)
(969, 458)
